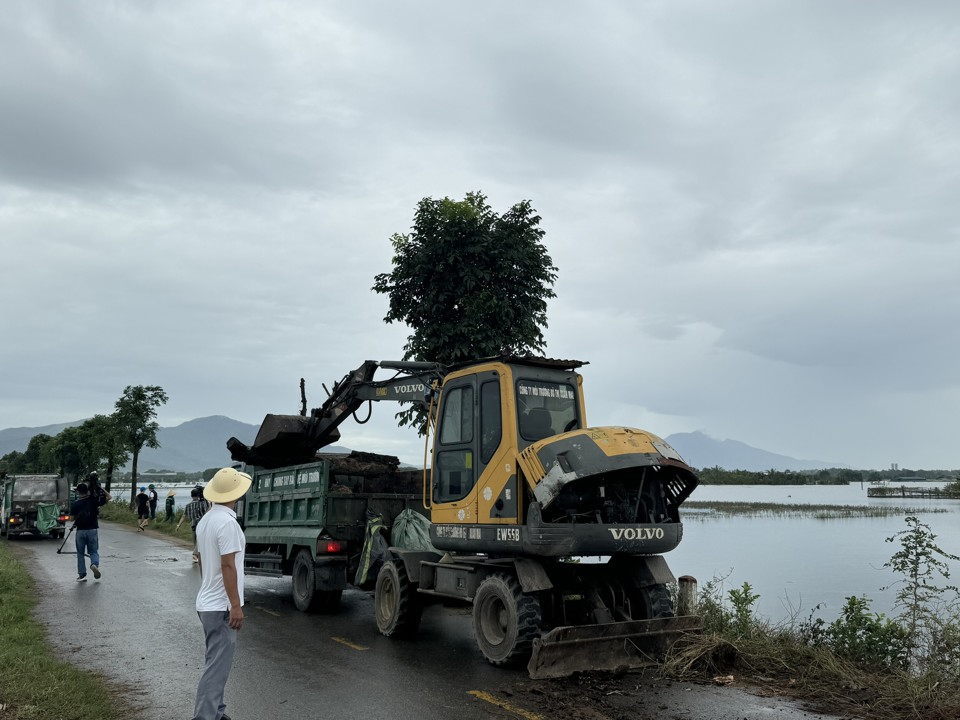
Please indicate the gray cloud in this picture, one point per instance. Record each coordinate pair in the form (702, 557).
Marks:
(752, 207)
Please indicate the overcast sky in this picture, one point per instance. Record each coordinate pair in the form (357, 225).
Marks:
(753, 206)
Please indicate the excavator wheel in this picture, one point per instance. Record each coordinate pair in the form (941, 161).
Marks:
(395, 601)
(651, 603)
(505, 620)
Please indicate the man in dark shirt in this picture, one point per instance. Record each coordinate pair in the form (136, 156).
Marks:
(143, 509)
(86, 511)
(154, 498)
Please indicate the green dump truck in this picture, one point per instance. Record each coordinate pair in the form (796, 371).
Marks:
(309, 521)
(34, 505)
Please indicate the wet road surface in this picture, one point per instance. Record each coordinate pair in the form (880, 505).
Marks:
(137, 626)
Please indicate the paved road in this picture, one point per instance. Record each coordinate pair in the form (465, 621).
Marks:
(137, 626)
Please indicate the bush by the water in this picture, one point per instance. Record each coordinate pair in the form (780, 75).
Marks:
(906, 666)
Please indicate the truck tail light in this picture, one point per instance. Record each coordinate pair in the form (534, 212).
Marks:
(64, 518)
(331, 547)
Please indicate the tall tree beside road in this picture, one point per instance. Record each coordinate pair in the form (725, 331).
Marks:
(71, 451)
(108, 443)
(469, 282)
(137, 427)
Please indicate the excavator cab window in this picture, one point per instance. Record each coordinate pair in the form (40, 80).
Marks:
(491, 422)
(546, 408)
(455, 471)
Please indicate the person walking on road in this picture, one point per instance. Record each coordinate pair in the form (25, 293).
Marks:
(86, 511)
(194, 510)
(170, 506)
(154, 499)
(143, 509)
(220, 600)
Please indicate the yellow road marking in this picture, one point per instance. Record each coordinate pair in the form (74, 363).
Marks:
(268, 612)
(344, 641)
(487, 697)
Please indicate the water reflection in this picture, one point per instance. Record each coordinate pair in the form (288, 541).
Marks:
(795, 563)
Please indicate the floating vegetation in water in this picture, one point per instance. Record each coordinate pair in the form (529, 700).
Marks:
(706, 509)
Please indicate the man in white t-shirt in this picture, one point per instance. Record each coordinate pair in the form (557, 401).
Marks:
(220, 544)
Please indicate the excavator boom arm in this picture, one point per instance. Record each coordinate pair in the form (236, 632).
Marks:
(293, 439)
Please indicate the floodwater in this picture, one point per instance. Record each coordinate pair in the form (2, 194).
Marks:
(797, 563)
(793, 563)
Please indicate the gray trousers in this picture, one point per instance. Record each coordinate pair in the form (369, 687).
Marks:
(221, 642)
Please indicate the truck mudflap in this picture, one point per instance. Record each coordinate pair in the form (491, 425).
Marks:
(610, 646)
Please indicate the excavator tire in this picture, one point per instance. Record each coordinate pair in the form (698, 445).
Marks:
(505, 620)
(651, 603)
(395, 601)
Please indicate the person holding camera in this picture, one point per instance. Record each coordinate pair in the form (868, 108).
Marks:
(86, 511)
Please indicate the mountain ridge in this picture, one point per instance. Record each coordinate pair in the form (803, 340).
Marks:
(200, 443)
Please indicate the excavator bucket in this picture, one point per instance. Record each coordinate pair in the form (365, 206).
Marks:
(611, 646)
(283, 440)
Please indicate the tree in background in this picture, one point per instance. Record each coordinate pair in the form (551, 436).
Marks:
(35, 459)
(71, 452)
(11, 463)
(135, 418)
(109, 447)
(469, 282)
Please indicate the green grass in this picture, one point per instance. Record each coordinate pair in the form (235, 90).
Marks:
(33, 684)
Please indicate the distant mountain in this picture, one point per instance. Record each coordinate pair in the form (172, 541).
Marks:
(194, 445)
(17, 439)
(202, 443)
(702, 451)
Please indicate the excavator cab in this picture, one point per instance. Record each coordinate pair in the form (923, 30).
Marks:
(487, 414)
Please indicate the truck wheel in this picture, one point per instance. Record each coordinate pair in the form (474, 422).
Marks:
(505, 620)
(305, 595)
(395, 600)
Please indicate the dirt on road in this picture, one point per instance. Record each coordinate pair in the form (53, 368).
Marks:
(645, 695)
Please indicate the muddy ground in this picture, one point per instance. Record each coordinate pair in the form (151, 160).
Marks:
(644, 695)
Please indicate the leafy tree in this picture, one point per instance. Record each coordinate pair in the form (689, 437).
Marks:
(77, 451)
(35, 460)
(11, 463)
(70, 451)
(471, 283)
(108, 444)
(136, 425)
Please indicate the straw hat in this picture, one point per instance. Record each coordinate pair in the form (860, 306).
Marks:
(171, 493)
(227, 485)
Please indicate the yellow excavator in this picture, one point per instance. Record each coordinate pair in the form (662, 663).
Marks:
(553, 530)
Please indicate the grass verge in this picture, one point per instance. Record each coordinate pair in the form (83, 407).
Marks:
(863, 664)
(33, 684)
(780, 661)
